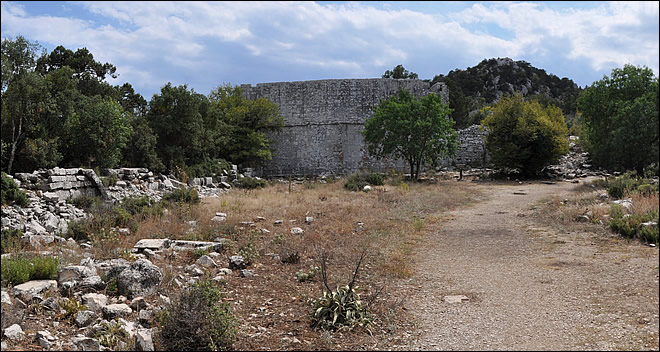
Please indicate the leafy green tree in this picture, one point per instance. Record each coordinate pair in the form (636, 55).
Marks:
(524, 135)
(620, 116)
(24, 104)
(242, 125)
(417, 130)
(399, 72)
(176, 119)
(140, 150)
(99, 132)
(18, 57)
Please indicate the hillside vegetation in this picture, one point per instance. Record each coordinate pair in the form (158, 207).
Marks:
(486, 83)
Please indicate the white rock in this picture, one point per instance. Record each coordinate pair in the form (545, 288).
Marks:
(14, 332)
(95, 301)
(297, 231)
(114, 310)
(27, 290)
(144, 340)
(206, 261)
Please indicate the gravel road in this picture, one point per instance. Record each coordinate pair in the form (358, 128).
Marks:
(529, 287)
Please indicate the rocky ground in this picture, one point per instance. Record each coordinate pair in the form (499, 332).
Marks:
(487, 276)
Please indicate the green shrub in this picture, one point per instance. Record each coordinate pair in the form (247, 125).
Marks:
(358, 180)
(302, 275)
(109, 180)
(44, 268)
(86, 202)
(648, 189)
(209, 167)
(20, 269)
(71, 307)
(251, 183)
(623, 184)
(16, 271)
(631, 225)
(197, 320)
(11, 194)
(249, 253)
(524, 135)
(183, 195)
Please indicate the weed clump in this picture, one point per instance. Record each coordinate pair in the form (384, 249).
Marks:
(198, 321)
(358, 180)
(183, 195)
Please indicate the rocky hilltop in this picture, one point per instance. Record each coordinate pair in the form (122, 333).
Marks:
(490, 80)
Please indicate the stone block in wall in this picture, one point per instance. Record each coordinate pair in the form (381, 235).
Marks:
(56, 171)
(53, 179)
(55, 185)
(73, 171)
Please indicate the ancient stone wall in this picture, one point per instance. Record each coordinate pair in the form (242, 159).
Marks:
(323, 121)
(472, 152)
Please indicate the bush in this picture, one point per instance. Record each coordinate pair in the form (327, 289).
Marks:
(86, 202)
(251, 183)
(10, 193)
(629, 183)
(17, 270)
(197, 320)
(249, 253)
(358, 180)
(209, 167)
(524, 135)
(623, 184)
(631, 225)
(183, 195)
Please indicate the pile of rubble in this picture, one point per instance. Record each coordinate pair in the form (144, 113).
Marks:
(575, 164)
(51, 193)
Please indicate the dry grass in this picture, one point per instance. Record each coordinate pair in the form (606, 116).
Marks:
(562, 213)
(273, 307)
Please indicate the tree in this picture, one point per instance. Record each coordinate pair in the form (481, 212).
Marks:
(242, 125)
(24, 103)
(176, 119)
(524, 135)
(400, 73)
(620, 116)
(417, 130)
(99, 132)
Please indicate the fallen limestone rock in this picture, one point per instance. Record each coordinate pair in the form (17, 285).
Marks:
(141, 278)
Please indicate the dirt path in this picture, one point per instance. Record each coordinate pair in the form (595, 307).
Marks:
(530, 287)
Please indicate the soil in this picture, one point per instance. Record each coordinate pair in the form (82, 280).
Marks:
(527, 286)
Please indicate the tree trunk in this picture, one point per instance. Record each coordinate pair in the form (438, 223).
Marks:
(11, 156)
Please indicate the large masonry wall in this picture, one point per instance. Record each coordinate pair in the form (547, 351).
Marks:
(323, 121)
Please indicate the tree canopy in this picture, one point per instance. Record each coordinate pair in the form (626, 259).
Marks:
(399, 72)
(58, 109)
(525, 135)
(416, 130)
(620, 116)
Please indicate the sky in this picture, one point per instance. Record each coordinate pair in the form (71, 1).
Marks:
(208, 44)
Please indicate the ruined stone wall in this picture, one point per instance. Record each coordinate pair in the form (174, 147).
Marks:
(323, 121)
(472, 152)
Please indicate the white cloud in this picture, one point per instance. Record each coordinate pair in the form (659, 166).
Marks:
(351, 39)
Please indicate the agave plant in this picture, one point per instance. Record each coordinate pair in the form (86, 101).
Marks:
(342, 307)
